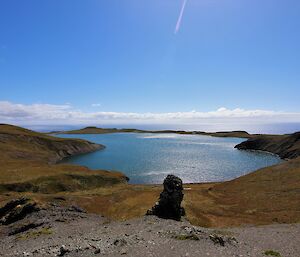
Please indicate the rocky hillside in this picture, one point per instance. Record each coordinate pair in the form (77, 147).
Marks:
(21, 143)
(71, 232)
(286, 146)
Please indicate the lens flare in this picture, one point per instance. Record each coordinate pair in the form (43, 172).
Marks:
(178, 24)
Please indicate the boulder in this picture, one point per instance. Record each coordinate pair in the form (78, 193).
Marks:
(217, 239)
(120, 242)
(169, 203)
(63, 250)
(11, 205)
(16, 210)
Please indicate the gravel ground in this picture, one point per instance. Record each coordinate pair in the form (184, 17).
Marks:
(70, 232)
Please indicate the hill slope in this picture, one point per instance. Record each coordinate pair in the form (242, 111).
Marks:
(26, 159)
(286, 146)
(20, 143)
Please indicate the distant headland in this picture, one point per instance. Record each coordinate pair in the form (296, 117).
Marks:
(95, 130)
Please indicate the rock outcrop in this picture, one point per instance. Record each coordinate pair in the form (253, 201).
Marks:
(286, 146)
(169, 204)
(16, 210)
(72, 147)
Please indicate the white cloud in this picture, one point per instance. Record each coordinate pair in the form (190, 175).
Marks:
(96, 105)
(67, 114)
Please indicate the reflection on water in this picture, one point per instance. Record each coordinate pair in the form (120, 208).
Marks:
(148, 158)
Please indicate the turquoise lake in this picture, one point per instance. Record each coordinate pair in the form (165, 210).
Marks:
(148, 158)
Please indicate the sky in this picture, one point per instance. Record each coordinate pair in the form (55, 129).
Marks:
(195, 63)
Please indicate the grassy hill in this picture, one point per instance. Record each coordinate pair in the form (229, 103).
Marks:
(269, 195)
(27, 160)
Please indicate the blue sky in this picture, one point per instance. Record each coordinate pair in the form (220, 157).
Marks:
(123, 57)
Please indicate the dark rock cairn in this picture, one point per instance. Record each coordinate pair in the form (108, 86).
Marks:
(168, 205)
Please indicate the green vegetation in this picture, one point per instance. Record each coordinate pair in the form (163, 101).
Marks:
(187, 237)
(272, 253)
(35, 233)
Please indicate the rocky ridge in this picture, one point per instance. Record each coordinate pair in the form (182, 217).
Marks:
(286, 146)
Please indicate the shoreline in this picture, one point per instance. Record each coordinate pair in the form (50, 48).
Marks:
(263, 142)
(243, 200)
(229, 134)
(267, 152)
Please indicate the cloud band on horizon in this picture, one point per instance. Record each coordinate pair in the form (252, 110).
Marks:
(67, 114)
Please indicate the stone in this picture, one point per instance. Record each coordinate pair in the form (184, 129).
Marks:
(63, 250)
(123, 251)
(11, 205)
(16, 210)
(75, 208)
(120, 242)
(217, 239)
(97, 251)
(169, 203)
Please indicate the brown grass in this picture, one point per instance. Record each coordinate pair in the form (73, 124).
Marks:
(25, 158)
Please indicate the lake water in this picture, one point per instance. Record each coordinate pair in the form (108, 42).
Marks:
(148, 158)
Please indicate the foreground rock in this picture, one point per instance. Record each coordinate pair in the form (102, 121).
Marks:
(66, 231)
(16, 210)
(169, 204)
